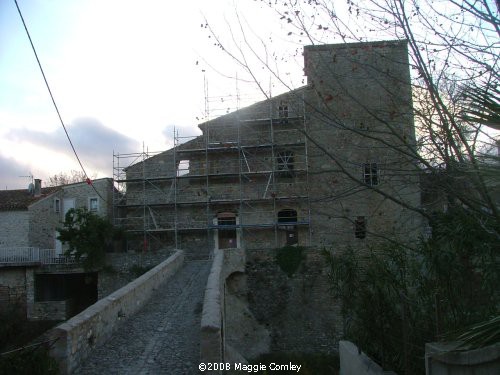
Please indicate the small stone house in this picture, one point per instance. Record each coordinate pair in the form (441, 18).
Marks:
(34, 274)
(329, 164)
(30, 217)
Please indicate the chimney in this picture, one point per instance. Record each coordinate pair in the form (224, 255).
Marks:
(38, 187)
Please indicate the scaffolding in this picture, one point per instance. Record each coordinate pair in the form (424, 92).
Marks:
(252, 163)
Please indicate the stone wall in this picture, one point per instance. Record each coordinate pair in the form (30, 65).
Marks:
(211, 334)
(13, 287)
(14, 228)
(299, 311)
(360, 111)
(442, 359)
(229, 332)
(123, 268)
(354, 362)
(356, 109)
(93, 326)
(52, 310)
(44, 218)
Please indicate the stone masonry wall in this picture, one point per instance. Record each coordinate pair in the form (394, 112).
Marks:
(44, 220)
(299, 311)
(14, 227)
(13, 287)
(123, 268)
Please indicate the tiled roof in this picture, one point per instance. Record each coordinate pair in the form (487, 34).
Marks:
(18, 200)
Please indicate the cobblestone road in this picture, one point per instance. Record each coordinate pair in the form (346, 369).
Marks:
(164, 336)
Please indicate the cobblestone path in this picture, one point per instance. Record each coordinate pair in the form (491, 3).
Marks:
(164, 336)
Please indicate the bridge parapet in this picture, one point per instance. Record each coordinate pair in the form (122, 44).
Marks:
(212, 346)
(78, 336)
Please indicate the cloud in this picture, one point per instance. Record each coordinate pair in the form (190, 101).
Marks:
(93, 142)
(11, 172)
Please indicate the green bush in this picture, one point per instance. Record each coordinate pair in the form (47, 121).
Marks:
(289, 259)
(394, 300)
(88, 235)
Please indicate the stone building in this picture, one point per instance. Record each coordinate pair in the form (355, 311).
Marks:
(329, 164)
(34, 273)
(30, 217)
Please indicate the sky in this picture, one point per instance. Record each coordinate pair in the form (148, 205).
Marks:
(123, 73)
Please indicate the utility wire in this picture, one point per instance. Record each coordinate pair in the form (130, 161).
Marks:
(89, 181)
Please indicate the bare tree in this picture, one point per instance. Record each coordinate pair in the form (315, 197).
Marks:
(454, 51)
(65, 178)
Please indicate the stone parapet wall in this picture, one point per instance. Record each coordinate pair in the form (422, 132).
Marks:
(211, 345)
(123, 268)
(354, 362)
(442, 359)
(77, 337)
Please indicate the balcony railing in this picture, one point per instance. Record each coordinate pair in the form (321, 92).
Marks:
(30, 255)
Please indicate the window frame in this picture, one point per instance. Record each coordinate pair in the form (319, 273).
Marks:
(371, 174)
(57, 205)
(283, 111)
(89, 205)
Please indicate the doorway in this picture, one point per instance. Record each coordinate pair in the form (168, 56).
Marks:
(227, 235)
(287, 222)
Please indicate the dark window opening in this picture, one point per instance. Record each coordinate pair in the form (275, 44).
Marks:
(370, 174)
(283, 112)
(78, 288)
(287, 216)
(360, 227)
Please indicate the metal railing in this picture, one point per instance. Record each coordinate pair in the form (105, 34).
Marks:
(25, 255)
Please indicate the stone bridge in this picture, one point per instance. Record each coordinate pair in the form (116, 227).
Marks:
(150, 326)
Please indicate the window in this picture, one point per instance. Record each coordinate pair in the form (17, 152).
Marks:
(370, 174)
(182, 168)
(283, 112)
(93, 204)
(360, 227)
(287, 216)
(57, 205)
(285, 162)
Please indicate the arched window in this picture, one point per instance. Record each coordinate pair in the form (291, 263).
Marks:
(287, 216)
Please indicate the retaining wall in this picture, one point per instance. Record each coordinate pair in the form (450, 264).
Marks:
(441, 359)
(93, 326)
(354, 362)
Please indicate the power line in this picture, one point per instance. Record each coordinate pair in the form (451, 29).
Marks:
(89, 181)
